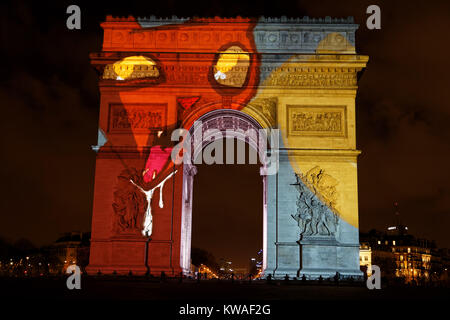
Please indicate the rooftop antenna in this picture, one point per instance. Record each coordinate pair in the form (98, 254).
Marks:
(398, 227)
(396, 215)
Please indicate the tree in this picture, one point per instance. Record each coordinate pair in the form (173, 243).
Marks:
(200, 256)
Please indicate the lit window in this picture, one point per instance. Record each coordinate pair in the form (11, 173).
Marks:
(409, 250)
(232, 67)
(133, 67)
(393, 242)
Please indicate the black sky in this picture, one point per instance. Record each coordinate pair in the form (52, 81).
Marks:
(49, 109)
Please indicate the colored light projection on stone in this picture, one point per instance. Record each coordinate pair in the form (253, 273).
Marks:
(134, 67)
(156, 161)
(148, 218)
(232, 67)
(297, 75)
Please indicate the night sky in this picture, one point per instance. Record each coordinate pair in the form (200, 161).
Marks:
(50, 101)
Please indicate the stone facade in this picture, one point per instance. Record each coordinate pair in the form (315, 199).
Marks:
(296, 75)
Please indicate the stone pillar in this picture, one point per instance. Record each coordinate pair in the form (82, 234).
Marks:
(287, 255)
(189, 171)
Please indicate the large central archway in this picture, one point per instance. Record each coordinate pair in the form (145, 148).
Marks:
(231, 124)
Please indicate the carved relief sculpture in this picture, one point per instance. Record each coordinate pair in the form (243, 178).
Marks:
(148, 218)
(128, 203)
(317, 120)
(323, 184)
(268, 106)
(131, 200)
(139, 118)
(315, 202)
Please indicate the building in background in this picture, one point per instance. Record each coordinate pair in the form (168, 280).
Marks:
(402, 256)
(71, 248)
(255, 265)
(365, 258)
(23, 259)
(225, 268)
(207, 272)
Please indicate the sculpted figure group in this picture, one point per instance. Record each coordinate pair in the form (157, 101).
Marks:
(314, 218)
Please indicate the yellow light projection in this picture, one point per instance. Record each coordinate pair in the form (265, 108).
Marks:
(232, 67)
(338, 187)
(133, 67)
(335, 43)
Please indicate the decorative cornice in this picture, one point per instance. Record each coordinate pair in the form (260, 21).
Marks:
(286, 77)
(237, 19)
(271, 35)
(331, 71)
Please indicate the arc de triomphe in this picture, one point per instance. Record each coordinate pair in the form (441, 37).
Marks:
(295, 75)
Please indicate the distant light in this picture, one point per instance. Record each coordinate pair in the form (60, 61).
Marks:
(253, 259)
(392, 228)
(406, 228)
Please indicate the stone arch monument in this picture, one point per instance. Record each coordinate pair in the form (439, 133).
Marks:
(298, 76)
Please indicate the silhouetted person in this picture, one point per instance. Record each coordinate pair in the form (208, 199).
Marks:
(336, 278)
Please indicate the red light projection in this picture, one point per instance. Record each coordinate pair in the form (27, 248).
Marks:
(155, 80)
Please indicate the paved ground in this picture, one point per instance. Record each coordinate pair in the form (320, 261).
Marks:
(171, 295)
